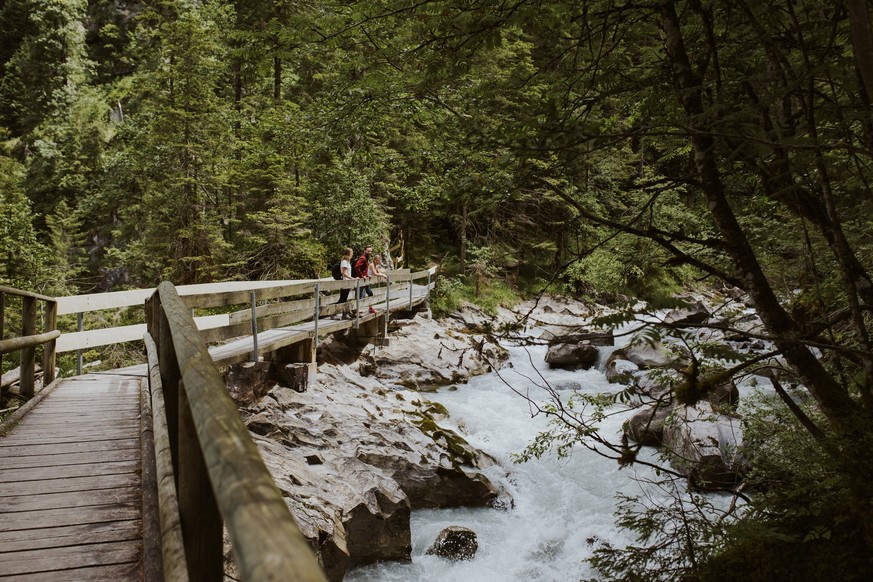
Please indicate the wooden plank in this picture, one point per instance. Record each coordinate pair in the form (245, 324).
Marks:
(130, 572)
(40, 519)
(69, 535)
(242, 296)
(84, 423)
(245, 328)
(22, 293)
(34, 461)
(67, 471)
(107, 418)
(24, 438)
(98, 301)
(192, 294)
(92, 338)
(86, 483)
(64, 448)
(70, 499)
(271, 309)
(110, 430)
(68, 558)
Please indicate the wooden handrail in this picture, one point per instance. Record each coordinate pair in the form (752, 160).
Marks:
(22, 293)
(29, 339)
(218, 467)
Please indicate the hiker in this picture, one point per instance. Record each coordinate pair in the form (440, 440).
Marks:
(361, 270)
(345, 268)
(375, 270)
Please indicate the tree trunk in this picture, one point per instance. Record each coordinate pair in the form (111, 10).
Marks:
(462, 235)
(850, 425)
(862, 41)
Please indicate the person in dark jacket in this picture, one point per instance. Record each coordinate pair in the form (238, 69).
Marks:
(361, 270)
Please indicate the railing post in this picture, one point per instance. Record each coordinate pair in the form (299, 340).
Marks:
(254, 326)
(170, 377)
(48, 355)
(317, 311)
(80, 326)
(28, 355)
(410, 289)
(2, 323)
(357, 303)
(202, 526)
(387, 302)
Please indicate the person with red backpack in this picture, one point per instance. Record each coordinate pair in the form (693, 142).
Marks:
(361, 270)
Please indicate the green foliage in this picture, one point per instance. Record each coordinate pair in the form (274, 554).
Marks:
(67, 259)
(22, 254)
(452, 292)
(675, 532)
(800, 524)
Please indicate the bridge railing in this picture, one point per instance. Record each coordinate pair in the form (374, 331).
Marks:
(219, 477)
(241, 308)
(28, 340)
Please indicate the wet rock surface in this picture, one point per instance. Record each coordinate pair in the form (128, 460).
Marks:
(356, 452)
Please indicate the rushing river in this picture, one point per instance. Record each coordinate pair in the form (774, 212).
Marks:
(559, 503)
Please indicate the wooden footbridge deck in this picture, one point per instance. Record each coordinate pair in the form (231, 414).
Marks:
(136, 474)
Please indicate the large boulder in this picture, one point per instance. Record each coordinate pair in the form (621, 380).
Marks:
(425, 355)
(455, 543)
(352, 458)
(648, 354)
(572, 356)
(690, 314)
(557, 335)
(619, 369)
(647, 426)
(704, 445)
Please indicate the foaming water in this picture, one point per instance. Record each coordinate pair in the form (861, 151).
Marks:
(559, 504)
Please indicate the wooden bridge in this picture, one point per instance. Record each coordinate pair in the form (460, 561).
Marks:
(137, 473)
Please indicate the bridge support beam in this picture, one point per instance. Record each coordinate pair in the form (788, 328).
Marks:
(371, 331)
(302, 352)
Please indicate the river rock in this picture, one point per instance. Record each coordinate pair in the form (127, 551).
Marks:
(704, 445)
(619, 369)
(647, 426)
(557, 335)
(692, 314)
(646, 354)
(455, 543)
(352, 458)
(424, 355)
(572, 356)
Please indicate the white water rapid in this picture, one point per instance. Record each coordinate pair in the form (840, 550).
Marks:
(559, 503)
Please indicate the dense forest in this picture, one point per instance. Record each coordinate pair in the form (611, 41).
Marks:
(605, 148)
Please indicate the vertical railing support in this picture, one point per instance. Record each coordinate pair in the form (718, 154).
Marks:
(254, 326)
(80, 326)
(410, 289)
(201, 521)
(2, 323)
(387, 302)
(28, 355)
(317, 314)
(357, 303)
(48, 354)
